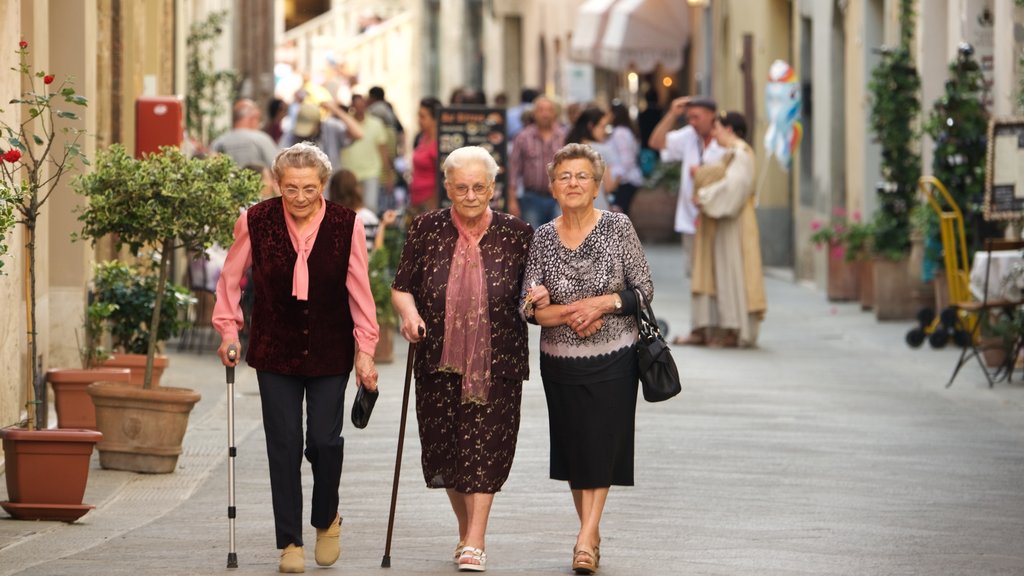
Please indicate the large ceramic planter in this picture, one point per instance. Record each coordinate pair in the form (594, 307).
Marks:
(73, 404)
(142, 429)
(867, 283)
(385, 352)
(843, 279)
(895, 297)
(137, 364)
(46, 472)
(653, 213)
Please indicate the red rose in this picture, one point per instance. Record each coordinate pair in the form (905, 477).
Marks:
(12, 155)
(23, 44)
(48, 79)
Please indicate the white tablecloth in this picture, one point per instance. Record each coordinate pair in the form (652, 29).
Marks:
(1006, 275)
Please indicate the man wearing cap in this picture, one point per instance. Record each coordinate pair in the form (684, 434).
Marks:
(330, 134)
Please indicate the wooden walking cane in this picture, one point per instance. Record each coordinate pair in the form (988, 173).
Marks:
(386, 561)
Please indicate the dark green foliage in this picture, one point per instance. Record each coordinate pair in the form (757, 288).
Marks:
(210, 91)
(958, 123)
(130, 291)
(895, 106)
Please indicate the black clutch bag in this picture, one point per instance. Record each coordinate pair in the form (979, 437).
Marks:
(363, 406)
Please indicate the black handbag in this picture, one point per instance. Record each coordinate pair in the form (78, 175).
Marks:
(658, 372)
(363, 406)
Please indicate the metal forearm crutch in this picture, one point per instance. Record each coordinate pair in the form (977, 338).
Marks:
(386, 561)
(230, 373)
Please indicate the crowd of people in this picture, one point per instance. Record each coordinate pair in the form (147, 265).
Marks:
(559, 251)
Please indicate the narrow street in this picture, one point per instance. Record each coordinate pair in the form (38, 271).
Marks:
(833, 449)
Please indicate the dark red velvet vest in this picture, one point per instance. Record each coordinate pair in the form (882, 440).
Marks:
(289, 336)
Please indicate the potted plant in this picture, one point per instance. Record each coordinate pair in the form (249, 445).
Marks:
(46, 470)
(131, 292)
(895, 106)
(163, 201)
(653, 208)
(73, 405)
(843, 271)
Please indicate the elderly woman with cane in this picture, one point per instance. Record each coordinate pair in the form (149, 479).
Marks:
(313, 320)
(459, 278)
(590, 261)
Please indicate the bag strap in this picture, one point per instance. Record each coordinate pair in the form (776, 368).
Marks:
(646, 323)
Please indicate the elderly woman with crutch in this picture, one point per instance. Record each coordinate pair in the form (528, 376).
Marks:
(313, 321)
(459, 279)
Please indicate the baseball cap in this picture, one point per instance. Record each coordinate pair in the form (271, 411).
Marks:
(307, 121)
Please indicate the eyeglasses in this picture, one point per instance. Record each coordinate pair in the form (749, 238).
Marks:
(307, 192)
(581, 177)
(461, 190)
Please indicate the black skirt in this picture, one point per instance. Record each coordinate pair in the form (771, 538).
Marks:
(591, 418)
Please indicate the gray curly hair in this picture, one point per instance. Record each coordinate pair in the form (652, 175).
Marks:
(303, 155)
(574, 152)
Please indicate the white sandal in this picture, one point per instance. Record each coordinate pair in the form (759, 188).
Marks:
(458, 552)
(474, 554)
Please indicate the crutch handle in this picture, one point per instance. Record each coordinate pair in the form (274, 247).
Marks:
(230, 370)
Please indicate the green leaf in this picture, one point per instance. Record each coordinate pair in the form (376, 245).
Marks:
(66, 114)
(67, 91)
(37, 140)
(79, 100)
(16, 143)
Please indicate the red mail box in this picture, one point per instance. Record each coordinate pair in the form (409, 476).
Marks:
(158, 122)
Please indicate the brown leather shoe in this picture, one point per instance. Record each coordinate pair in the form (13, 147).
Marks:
(293, 560)
(328, 543)
(695, 338)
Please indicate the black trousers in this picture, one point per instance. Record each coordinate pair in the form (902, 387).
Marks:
(281, 397)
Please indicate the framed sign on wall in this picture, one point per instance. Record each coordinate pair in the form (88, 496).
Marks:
(1004, 169)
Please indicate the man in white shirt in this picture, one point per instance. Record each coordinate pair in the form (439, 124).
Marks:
(693, 146)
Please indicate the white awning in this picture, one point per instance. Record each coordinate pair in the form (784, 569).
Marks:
(631, 34)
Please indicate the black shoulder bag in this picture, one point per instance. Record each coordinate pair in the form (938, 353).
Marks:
(658, 372)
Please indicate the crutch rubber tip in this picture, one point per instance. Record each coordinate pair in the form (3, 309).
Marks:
(232, 560)
(386, 562)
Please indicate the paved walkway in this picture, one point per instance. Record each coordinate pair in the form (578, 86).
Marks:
(832, 449)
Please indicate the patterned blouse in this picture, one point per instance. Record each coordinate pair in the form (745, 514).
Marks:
(609, 260)
(423, 272)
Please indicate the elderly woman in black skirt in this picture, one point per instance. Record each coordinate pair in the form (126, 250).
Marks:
(588, 261)
(459, 278)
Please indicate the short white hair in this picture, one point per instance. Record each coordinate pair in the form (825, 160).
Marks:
(461, 157)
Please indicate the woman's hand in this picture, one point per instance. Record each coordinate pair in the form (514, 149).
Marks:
(585, 316)
(223, 352)
(411, 324)
(366, 372)
(537, 298)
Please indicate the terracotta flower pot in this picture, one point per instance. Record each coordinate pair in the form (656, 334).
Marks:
(843, 279)
(385, 352)
(867, 284)
(73, 404)
(137, 364)
(46, 472)
(142, 429)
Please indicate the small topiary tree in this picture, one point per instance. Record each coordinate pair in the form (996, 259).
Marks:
(165, 201)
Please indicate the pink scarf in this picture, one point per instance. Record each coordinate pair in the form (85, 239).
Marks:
(467, 326)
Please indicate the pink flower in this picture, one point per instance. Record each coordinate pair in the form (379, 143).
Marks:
(12, 155)
(23, 44)
(48, 79)
(815, 225)
(839, 212)
(837, 251)
(856, 215)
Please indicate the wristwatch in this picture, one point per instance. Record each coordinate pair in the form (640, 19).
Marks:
(618, 303)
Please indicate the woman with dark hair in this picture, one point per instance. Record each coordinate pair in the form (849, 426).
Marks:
(626, 167)
(728, 299)
(423, 189)
(591, 128)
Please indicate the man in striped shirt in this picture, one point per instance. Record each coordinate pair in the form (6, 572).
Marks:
(532, 149)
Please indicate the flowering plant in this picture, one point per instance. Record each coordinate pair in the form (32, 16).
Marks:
(33, 160)
(845, 236)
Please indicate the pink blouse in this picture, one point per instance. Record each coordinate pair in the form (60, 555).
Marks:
(227, 312)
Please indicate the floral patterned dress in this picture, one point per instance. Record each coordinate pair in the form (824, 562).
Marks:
(591, 383)
(467, 446)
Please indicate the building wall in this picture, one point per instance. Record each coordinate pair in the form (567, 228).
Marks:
(12, 295)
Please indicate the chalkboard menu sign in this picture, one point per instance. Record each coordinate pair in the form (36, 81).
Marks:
(460, 126)
(1004, 170)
